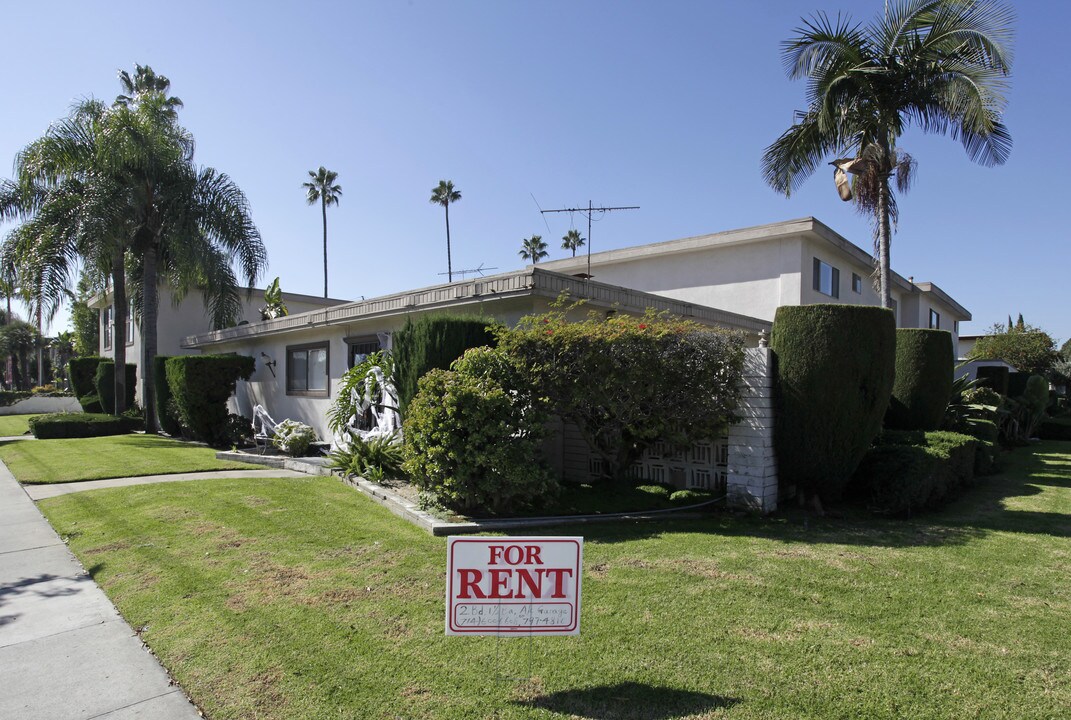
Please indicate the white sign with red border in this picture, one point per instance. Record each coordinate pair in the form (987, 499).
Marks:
(513, 585)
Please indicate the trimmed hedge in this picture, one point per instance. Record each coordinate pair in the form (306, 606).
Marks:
(91, 404)
(911, 471)
(433, 342)
(994, 377)
(923, 384)
(83, 373)
(200, 386)
(165, 415)
(77, 425)
(835, 375)
(105, 382)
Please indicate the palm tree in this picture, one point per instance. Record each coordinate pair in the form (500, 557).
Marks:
(572, 241)
(940, 65)
(533, 249)
(322, 187)
(444, 194)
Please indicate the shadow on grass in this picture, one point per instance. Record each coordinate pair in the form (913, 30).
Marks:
(629, 701)
(978, 511)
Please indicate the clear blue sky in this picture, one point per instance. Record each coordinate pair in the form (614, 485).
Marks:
(665, 105)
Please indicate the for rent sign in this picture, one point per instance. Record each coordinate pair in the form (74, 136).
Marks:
(513, 585)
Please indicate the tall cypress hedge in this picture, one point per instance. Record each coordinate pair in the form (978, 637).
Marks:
(169, 423)
(201, 386)
(105, 384)
(835, 375)
(434, 341)
(923, 385)
(83, 373)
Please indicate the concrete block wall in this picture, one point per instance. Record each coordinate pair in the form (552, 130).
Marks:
(752, 471)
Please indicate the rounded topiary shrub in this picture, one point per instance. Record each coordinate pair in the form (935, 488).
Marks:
(835, 375)
(83, 373)
(923, 384)
(473, 438)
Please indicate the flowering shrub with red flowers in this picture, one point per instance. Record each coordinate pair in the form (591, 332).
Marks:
(627, 381)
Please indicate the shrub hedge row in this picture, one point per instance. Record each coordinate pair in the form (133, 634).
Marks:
(105, 384)
(433, 342)
(200, 386)
(906, 471)
(83, 373)
(77, 425)
(165, 409)
(923, 384)
(835, 376)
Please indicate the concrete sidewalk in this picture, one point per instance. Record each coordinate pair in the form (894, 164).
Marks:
(65, 653)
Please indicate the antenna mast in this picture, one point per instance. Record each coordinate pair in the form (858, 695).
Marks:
(589, 210)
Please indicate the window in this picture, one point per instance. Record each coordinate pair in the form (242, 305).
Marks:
(935, 319)
(306, 370)
(857, 284)
(955, 326)
(358, 348)
(130, 323)
(106, 326)
(826, 279)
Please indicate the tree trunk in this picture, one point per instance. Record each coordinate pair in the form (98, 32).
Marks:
(149, 312)
(884, 240)
(449, 266)
(40, 344)
(120, 311)
(323, 206)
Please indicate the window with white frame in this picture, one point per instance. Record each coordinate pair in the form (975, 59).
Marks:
(826, 279)
(935, 320)
(306, 369)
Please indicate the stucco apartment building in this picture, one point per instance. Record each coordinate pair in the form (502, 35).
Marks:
(734, 279)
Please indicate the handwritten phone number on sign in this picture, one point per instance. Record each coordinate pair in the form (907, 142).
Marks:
(513, 615)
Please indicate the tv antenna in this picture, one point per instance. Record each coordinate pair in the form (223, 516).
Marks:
(478, 270)
(588, 212)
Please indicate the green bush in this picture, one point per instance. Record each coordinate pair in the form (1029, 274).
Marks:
(909, 472)
(657, 490)
(293, 437)
(473, 437)
(690, 497)
(165, 410)
(1017, 383)
(434, 341)
(91, 404)
(923, 383)
(105, 384)
(377, 458)
(10, 397)
(76, 425)
(834, 379)
(200, 387)
(994, 377)
(627, 382)
(83, 374)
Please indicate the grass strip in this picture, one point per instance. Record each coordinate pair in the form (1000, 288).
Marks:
(71, 460)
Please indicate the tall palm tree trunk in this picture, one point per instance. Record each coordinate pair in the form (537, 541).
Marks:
(149, 311)
(449, 266)
(40, 344)
(119, 305)
(884, 239)
(323, 206)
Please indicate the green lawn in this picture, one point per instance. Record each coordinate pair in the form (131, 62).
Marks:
(302, 599)
(59, 461)
(14, 424)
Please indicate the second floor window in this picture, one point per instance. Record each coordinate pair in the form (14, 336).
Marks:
(826, 279)
(935, 320)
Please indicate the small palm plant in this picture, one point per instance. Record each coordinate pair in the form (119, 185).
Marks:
(533, 249)
(572, 241)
